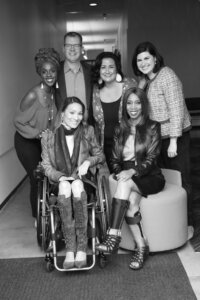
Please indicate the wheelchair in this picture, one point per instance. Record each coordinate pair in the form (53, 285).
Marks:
(49, 233)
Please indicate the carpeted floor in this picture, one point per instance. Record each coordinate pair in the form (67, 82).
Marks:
(162, 278)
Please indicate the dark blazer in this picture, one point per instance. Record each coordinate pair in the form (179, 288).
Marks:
(62, 92)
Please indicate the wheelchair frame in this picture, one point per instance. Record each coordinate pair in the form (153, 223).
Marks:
(46, 210)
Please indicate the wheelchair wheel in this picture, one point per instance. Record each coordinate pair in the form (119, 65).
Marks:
(49, 263)
(39, 211)
(43, 217)
(50, 266)
(104, 203)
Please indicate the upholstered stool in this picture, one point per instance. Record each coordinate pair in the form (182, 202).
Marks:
(164, 216)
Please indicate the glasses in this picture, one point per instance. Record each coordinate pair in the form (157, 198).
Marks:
(70, 46)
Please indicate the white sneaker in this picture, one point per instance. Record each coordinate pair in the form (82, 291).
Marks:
(69, 260)
(80, 260)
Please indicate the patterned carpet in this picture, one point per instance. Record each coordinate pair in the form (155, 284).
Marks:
(195, 173)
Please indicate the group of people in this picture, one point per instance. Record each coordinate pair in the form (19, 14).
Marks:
(80, 116)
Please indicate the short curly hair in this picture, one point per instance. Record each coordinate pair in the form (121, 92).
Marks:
(46, 55)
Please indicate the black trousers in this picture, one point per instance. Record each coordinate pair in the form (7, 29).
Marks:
(181, 163)
(29, 154)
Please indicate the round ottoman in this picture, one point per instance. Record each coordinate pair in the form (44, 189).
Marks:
(164, 216)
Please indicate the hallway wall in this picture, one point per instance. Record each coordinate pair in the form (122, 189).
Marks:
(174, 27)
(25, 26)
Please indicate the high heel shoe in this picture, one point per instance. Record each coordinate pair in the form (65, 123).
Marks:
(139, 257)
(110, 244)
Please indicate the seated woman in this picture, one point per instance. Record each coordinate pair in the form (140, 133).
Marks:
(70, 152)
(136, 147)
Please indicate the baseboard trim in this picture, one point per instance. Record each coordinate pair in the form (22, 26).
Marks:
(12, 193)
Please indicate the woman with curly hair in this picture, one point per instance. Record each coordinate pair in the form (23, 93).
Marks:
(109, 88)
(137, 143)
(35, 113)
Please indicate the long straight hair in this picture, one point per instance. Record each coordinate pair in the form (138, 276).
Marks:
(125, 126)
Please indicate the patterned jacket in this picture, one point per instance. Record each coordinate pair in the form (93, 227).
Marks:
(89, 150)
(98, 111)
(167, 103)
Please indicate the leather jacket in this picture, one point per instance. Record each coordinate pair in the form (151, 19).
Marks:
(146, 152)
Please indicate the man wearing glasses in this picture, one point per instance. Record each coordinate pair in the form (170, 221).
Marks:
(74, 77)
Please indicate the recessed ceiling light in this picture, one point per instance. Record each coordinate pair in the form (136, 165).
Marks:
(93, 4)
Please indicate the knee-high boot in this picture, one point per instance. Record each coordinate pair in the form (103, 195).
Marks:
(68, 228)
(81, 220)
(141, 253)
(111, 242)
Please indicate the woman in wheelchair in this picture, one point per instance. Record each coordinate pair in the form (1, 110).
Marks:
(69, 152)
(136, 147)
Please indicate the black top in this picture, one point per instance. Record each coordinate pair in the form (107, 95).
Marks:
(111, 119)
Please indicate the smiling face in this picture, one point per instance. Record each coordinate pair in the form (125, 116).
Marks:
(48, 73)
(134, 107)
(72, 49)
(108, 70)
(146, 63)
(73, 115)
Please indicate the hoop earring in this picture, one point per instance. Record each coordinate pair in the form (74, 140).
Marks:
(100, 81)
(118, 77)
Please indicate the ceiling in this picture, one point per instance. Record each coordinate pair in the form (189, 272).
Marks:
(98, 25)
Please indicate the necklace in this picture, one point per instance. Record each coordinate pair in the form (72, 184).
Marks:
(49, 101)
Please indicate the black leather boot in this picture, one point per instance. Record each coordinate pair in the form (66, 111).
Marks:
(111, 242)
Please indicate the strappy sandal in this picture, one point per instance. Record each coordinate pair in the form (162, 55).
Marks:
(110, 244)
(139, 257)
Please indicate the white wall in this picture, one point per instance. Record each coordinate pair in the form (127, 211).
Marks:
(25, 26)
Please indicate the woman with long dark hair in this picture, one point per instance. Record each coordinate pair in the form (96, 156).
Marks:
(69, 153)
(136, 147)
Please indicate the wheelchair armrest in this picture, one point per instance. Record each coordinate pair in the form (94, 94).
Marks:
(103, 170)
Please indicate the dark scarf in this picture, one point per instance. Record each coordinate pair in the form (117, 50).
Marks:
(64, 162)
